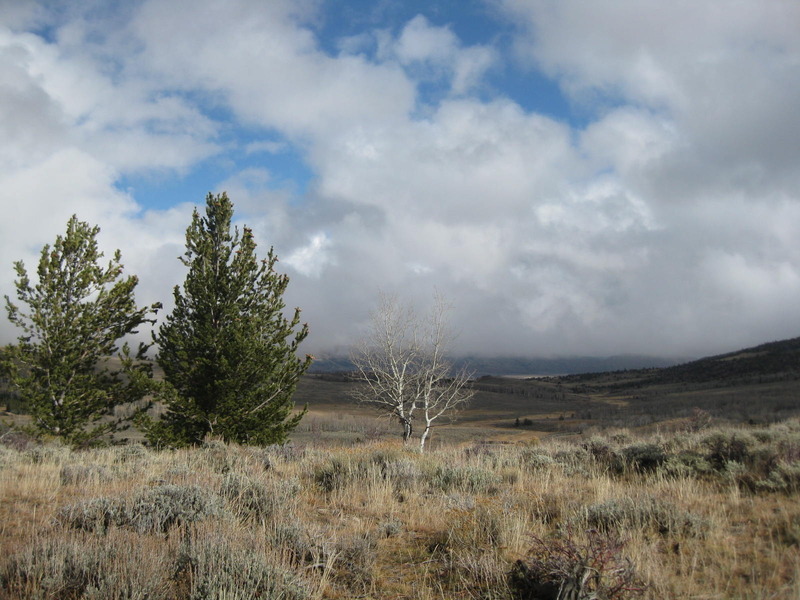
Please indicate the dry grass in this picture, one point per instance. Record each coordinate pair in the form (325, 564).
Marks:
(708, 514)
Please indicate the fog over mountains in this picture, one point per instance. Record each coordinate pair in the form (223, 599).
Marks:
(526, 366)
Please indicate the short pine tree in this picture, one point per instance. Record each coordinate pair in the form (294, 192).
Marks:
(76, 314)
(227, 350)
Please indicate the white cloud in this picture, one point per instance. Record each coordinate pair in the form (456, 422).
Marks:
(311, 259)
(266, 65)
(670, 214)
(728, 76)
(432, 52)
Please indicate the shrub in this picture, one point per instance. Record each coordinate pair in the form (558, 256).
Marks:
(78, 474)
(250, 497)
(217, 569)
(563, 568)
(356, 556)
(475, 480)
(726, 446)
(95, 515)
(334, 475)
(644, 457)
(648, 514)
(153, 511)
(536, 460)
(162, 507)
(85, 568)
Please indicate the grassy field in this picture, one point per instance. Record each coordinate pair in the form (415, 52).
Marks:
(705, 513)
(528, 409)
(666, 483)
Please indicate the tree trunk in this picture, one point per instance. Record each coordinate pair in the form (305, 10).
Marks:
(424, 437)
(408, 429)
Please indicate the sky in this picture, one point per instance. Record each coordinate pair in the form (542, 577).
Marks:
(577, 178)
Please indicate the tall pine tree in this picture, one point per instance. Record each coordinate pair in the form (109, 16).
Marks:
(77, 312)
(227, 349)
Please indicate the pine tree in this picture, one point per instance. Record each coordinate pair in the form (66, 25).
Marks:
(227, 349)
(77, 313)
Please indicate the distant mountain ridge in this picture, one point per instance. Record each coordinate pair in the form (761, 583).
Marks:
(765, 360)
(524, 366)
(773, 361)
(770, 359)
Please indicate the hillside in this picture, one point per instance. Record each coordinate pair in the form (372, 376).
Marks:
(756, 385)
(773, 361)
(523, 365)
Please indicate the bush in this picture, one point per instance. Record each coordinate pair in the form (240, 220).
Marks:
(160, 508)
(563, 568)
(153, 511)
(220, 570)
(644, 457)
(356, 556)
(335, 475)
(78, 474)
(95, 515)
(644, 514)
(687, 464)
(250, 497)
(475, 480)
(726, 446)
(85, 568)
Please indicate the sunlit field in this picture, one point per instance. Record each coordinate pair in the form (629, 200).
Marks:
(700, 512)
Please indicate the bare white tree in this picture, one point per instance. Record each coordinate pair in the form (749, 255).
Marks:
(403, 362)
(386, 359)
(441, 389)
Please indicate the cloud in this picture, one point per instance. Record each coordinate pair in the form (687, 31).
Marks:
(74, 127)
(663, 217)
(264, 62)
(310, 260)
(727, 77)
(431, 52)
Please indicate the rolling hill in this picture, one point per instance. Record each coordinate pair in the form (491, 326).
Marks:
(756, 385)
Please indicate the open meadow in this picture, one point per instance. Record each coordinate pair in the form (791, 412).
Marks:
(711, 513)
(650, 484)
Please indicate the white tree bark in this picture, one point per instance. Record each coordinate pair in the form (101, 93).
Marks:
(403, 362)
(385, 361)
